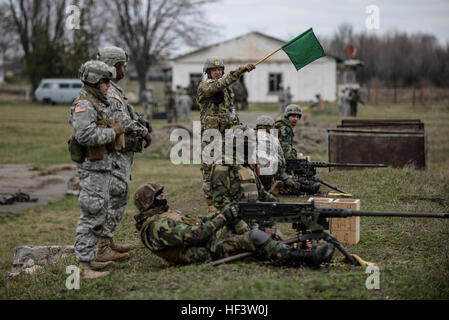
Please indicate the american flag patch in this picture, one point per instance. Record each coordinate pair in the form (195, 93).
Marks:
(80, 109)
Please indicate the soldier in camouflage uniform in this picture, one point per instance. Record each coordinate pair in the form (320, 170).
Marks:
(94, 145)
(274, 155)
(235, 179)
(290, 184)
(216, 106)
(285, 124)
(186, 239)
(137, 137)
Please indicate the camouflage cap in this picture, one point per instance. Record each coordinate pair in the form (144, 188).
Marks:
(93, 71)
(145, 195)
(264, 121)
(293, 109)
(112, 55)
(213, 62)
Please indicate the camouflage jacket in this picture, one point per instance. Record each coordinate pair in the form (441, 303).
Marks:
(167, 233)
(215, 100)
(83, 118)
(286, 135)
(125, 113)
(232, 183)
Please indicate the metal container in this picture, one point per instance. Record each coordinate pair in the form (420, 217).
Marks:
(396, 144)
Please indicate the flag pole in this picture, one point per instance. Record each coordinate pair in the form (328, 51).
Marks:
(260, 61)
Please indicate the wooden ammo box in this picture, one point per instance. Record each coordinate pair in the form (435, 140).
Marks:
(346, 230)
(397, 143)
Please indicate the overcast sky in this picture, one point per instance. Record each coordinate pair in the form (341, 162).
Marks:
(285, 19)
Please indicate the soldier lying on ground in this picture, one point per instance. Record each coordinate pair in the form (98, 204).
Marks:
(185, 239)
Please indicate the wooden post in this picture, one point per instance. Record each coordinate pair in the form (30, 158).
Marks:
(414, 96)
(395, 97)
(369, 93)
(376, 94)
(422, 95)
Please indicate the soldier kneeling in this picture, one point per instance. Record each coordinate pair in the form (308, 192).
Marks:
(186, 239)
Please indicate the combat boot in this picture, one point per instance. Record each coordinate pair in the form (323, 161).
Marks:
(121, 248)
(106, 253)
(312, 257)
(87, 271)
(98, 265)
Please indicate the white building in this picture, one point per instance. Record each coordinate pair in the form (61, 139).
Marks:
(262, 83)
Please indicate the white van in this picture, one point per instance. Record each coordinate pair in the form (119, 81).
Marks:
(58, 90)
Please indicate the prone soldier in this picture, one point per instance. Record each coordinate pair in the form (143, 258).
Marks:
(185, 239)
(216, 106)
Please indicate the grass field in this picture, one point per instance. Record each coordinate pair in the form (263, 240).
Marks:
(413, 254)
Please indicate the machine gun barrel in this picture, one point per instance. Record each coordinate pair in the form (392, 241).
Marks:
(290, 211)
(292, 163)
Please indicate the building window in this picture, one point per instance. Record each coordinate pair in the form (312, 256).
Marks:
(195, 78)
(274, 82)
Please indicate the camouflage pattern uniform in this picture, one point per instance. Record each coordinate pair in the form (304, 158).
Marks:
(188, 239)
(185, 106)
(216, 108)
(135, 132)
(185, 239)
(285, 129)
(98, 184)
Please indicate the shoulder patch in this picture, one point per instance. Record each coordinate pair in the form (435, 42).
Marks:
(116, 96)
(80, 109)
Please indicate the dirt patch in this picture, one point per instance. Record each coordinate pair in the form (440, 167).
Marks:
(47, 188)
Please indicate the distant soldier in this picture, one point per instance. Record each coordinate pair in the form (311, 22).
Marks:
(148, 103)
(281, 99)
(287, 97)
(185, 105)
(95, 143)
(186, 239)
(170, 105)
(240, 95)
(354, 99)
(216, 105)
(285, 124)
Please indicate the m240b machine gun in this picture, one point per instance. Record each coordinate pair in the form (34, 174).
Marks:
(303, 168)
(309, 221)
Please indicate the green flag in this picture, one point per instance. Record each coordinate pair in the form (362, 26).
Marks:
(304, 49)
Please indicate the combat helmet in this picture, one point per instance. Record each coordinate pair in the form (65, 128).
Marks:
(293, 109)
(145, 195)
(213, 62)
(264, 121)
(112, 55)
(93, 71)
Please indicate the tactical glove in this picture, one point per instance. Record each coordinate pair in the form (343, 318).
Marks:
(146, 124)
(249, 67)
(230, 212)
(118, 128)
(147, 140)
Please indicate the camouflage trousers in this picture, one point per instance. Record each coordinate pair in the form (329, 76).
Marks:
(218, 248)
(206, 171)
(102, 200)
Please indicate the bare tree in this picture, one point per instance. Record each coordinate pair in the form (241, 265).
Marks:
(149, 29)
(48, 48)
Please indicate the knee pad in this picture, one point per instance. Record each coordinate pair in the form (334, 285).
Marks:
(259, 237)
